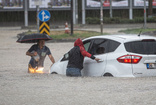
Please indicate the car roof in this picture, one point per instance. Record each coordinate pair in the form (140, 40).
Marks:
(123, 38)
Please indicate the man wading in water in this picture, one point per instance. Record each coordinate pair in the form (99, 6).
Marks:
(38, 53)
(76, 58)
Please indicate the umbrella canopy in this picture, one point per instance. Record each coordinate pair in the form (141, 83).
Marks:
(33, 38)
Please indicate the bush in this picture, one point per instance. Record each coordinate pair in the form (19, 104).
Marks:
(107, 20)
(92, 20)
(153, 19)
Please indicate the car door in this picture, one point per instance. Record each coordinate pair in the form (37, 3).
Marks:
(99, 48)
(60, 66)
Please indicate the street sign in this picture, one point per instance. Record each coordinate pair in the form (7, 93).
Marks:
(44, 15)
(44, 28)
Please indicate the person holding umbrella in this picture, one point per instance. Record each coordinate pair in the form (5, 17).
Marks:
(38, 53)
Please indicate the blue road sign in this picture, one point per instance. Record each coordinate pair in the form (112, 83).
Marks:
(44, 15)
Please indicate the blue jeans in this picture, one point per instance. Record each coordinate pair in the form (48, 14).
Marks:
(73, 72)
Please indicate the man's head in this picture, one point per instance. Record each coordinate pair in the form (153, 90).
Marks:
(41, 43)
(78, 42)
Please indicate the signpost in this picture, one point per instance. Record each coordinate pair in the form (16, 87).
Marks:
(101, 15)
(38, 21)
(145, 21)
(44, 17)
(37, 3)
(44, 28)
(26, 14)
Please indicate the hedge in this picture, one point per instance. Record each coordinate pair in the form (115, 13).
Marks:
(94, 20)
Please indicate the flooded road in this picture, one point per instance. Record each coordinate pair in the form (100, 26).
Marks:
(17, 87)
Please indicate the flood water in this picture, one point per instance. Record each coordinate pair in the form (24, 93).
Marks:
(17, 87)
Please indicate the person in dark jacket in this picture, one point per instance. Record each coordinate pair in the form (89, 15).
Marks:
(76, 58)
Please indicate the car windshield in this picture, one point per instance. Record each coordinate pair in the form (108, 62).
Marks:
(141, 47)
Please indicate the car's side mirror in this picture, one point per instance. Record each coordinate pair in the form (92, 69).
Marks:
(65, 57)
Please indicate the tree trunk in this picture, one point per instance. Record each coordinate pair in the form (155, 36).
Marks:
(150, 8)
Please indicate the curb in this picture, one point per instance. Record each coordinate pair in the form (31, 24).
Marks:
(152, 33)
(50, 41)
(61, 40)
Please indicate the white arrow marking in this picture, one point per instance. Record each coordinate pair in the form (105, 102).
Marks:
(46, 17)
(43, 13)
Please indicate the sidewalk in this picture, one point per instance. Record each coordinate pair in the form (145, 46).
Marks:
(139, 25)
(107, 28)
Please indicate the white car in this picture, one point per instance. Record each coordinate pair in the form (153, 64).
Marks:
(121, 56)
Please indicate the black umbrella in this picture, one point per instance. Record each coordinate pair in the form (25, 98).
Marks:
(33, 38)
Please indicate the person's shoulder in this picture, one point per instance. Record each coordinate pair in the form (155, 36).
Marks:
(75, 47)
(34, 45)
(47, 48)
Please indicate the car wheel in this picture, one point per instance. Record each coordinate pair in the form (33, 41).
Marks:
(53, 73)
(108, 75)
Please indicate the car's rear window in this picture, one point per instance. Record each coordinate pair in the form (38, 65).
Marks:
(141, 47)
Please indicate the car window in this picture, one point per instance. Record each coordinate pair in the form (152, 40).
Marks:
(113, 45)
(65, 57)
(141, 47)
(87, 44)
(99, 46)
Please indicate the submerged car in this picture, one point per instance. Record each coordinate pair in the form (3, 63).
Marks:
(121, 56)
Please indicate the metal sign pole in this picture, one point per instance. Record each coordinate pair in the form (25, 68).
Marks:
(74, 11)
(38, 21)
(71, 17)
(145, 14)
(111, 9)
(101, 16)
(83, 12)
(131, 10)
(38, 3)
(26, 13)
